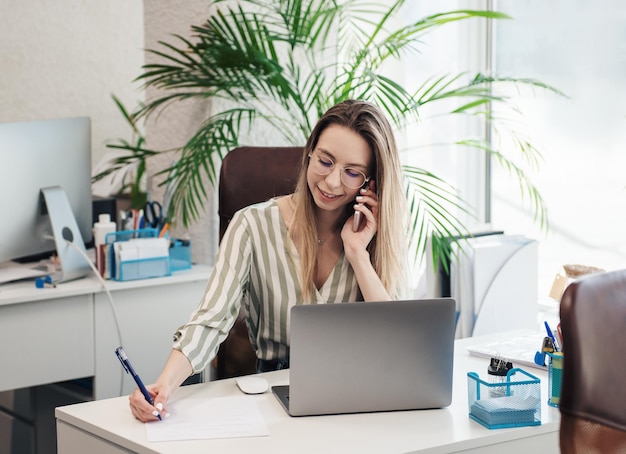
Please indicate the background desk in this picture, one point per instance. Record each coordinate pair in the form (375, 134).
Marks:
(107, 426)
(68, 332)
(59, 334)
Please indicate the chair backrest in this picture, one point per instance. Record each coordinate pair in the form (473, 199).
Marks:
(255, 174)
(250, 175)
(593, 394)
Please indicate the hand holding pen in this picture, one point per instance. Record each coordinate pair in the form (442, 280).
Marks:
(121, 355)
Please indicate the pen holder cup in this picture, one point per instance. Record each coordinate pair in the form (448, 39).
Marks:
(555, 374)
(518, 401)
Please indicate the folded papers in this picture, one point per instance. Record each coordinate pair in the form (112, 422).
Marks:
(140, 258)
(505, 410)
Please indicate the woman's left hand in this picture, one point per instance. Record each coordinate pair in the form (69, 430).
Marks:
(355, 243)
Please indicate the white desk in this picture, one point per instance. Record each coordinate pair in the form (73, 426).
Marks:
(107, 426)
(68, 332)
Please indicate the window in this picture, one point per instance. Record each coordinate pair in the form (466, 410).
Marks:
(580, 48)
(448, 50)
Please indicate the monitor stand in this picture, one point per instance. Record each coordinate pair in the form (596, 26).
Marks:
(65, 229)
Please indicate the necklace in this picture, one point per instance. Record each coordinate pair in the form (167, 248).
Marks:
(321, 241)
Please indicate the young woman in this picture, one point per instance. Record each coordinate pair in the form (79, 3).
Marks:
(304, 248)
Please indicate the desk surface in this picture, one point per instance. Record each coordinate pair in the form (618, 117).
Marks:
(443, 430)
(25, 291)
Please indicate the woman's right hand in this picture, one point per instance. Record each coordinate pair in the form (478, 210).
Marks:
(177, 369)
(141, 408)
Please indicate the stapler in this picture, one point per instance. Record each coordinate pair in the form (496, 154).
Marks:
(547, 346)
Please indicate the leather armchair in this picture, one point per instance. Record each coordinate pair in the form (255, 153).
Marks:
(593, 392)
(250, 175)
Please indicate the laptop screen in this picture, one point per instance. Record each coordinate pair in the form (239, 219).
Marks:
(374, 356)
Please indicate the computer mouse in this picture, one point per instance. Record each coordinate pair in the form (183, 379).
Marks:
(251, 384)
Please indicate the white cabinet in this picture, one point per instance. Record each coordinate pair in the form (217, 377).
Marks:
(148, 317)
(69, 332)
(46, 341)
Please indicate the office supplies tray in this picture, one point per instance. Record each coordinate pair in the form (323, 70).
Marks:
(131, 267)
(511, 403)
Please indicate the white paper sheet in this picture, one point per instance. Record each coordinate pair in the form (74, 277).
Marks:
(196, 419)
(520, 349)
(17, 273)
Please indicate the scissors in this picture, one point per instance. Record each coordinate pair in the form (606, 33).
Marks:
(153, 215)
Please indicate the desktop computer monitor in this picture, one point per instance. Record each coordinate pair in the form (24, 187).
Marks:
(36, 155)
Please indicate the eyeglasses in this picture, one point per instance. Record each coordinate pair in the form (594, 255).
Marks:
(323, 165)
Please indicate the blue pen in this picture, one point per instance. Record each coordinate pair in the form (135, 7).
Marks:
(550, 335)
(121, 355)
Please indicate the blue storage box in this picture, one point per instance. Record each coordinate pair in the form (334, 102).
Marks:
(511, 403)
(140, 268)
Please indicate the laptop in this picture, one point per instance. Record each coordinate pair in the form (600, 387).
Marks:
(369, 357)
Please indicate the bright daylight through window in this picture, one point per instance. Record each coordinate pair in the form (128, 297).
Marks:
(580, 48)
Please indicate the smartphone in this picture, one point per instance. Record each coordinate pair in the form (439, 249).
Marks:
(357, 221)
(358, 216)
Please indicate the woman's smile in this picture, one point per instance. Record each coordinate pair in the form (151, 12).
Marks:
(327, 196)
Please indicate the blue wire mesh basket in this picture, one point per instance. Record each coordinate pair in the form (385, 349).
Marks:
(513, 402)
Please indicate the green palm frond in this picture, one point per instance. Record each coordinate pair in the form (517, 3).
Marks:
(527, 189)
(283, 63)
(433, 205)
(200, 158)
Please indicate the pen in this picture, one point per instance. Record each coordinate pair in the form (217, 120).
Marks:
(121, 355)
(164, 230)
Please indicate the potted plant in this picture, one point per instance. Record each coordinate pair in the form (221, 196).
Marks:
(128, 170)
(281, 64)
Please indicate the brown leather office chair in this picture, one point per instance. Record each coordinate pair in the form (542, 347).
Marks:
(250, 175)
(593, 392)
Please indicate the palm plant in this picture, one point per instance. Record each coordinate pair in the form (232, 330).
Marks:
(281, 64)
(131, 165)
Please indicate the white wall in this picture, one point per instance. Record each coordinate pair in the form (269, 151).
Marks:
(65, 58)
(172, 127)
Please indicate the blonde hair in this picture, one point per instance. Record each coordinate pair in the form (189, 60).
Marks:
(388, 247)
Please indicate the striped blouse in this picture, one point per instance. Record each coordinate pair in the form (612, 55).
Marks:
(257, 266)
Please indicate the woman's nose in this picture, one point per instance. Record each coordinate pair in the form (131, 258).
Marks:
(333, 179)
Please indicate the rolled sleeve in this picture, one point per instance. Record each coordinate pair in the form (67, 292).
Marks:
(210, 323)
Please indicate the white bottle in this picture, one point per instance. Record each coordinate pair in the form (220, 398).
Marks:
(100, 231)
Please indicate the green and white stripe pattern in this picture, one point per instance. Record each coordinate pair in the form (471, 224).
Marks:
(257, 265)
